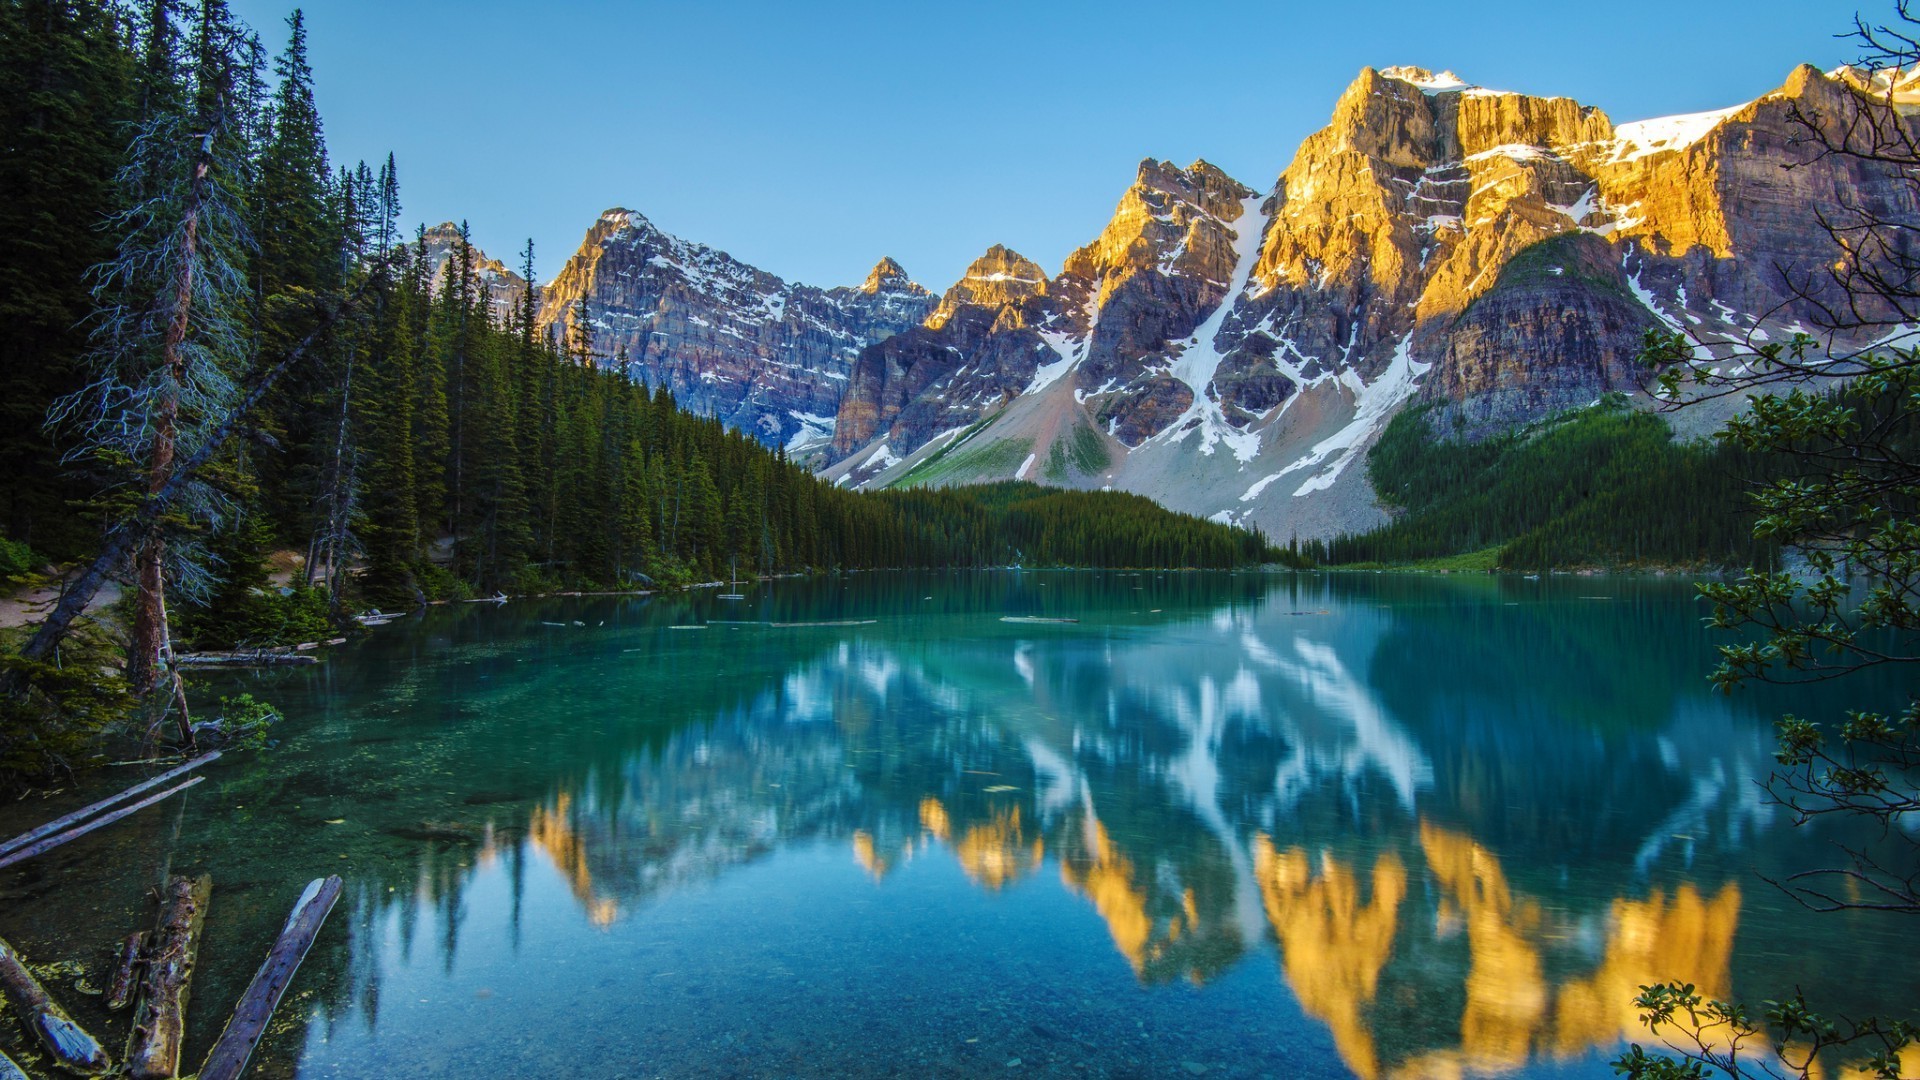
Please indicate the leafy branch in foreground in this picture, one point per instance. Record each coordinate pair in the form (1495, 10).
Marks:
(1845, 407)
(1716, 1037)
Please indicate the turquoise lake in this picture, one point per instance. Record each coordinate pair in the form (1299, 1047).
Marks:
(1226, 825)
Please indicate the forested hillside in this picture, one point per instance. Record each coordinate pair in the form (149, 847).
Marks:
(421, 448)
(1604, 486)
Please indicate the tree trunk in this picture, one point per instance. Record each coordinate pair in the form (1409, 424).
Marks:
(72, 1048)
(339, 494)
(147, 656)
(160, 1021)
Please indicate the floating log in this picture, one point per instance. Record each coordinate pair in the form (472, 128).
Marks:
(244, 659)
(126, 971)
(10, 1071)
(230, 1053)
(85, 812)
(72, 1048)
(51, 842)
(1034, 619)
(160, 1020)
(828, 622)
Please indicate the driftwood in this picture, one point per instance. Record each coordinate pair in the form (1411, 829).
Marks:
(126, 971)
(85, 812)
(230, 1053)
(72, 1048)
(10, 1071)
(243, 659)
(160, 1020)
(51, 842)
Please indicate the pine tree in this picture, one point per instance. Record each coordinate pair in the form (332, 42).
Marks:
(170, 338)
(291, 219)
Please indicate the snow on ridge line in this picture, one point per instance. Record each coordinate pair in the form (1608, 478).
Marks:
(1428, 81)
(1643, 138)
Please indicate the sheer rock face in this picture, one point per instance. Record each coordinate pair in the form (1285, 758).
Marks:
(906, 387)
(1497, 254)
(764, 355)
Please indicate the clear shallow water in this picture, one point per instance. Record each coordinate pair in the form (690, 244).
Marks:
(1315, 826)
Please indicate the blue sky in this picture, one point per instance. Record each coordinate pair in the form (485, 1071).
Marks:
(811, 139)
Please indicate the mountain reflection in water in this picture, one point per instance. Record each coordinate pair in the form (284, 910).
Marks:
(1442, 828)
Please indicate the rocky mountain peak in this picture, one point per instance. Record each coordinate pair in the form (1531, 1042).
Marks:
(1442, 82)
(1001, 276)
(1900, 85)
(503, 287)
(888, 275)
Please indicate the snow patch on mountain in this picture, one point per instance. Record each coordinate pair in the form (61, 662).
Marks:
(1200, 359)
(1070, 353)
(814, 429)
(1374, 404)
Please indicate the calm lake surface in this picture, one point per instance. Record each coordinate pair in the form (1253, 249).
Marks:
(1226, 825)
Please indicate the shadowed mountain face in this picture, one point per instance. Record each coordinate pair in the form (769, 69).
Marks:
(1347, 826)
(766, 356)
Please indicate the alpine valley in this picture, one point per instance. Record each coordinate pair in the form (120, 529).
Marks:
(1232, 351)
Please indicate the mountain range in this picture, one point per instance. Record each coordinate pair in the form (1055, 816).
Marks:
(1232, 351)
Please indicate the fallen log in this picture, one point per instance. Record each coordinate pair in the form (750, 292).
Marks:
(85, 812)
(231, 1052)
(244, 659)
(10, 1071)
(126, 971)
(72, 1048)
(51, 842)
(160, 1019)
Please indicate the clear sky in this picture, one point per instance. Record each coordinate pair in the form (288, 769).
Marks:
(810, 138)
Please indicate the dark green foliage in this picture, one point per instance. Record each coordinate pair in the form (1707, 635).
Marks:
(16, 561)
(1606, 486)
(1015, 522)
(55, 725)
(66, 92)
